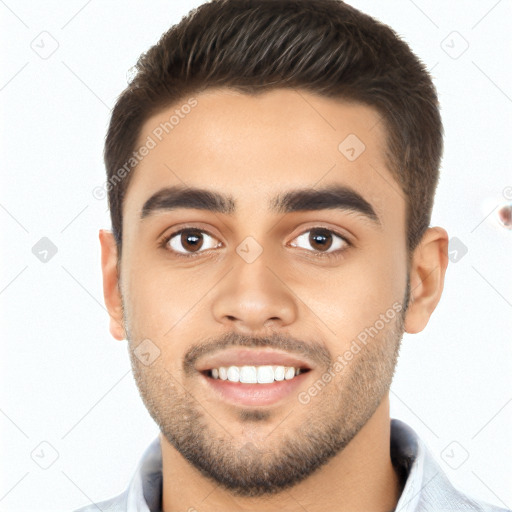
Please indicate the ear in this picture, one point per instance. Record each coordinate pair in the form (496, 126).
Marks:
(427, 271)
(111, 291)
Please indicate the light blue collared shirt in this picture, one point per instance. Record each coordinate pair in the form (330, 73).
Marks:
(427, 488)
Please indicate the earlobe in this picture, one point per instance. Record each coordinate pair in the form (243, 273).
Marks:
(427, 272)
(111, 291)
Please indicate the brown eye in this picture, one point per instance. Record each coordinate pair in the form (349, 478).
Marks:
(322, 240)
(191, 240)
(188, 241)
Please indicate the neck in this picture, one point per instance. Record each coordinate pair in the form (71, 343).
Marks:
(360, 478)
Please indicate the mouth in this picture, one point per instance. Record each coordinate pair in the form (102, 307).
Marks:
(265, 374)
(253, 377)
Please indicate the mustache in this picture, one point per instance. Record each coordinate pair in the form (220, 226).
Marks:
(313, 351)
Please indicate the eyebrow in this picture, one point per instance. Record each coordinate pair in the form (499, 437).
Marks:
(297, 200)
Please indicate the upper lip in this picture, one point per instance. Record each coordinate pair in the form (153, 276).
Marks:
(251, 357)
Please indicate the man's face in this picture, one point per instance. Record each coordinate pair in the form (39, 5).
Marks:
(303, 285)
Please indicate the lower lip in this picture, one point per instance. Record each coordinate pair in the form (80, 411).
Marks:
(255, 394)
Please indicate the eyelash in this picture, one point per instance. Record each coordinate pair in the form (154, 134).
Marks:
(328, 255)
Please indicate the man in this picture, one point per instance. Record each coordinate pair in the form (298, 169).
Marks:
(271, 173)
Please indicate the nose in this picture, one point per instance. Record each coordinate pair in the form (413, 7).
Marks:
(254, 297)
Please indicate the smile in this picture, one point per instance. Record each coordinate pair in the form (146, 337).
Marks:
(265, 374)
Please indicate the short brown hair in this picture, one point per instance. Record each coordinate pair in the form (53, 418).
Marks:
(323, 46)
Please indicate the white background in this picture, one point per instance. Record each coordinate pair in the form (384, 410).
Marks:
(66, 382)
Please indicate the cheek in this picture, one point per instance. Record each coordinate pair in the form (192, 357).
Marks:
(344, 301)
(168, 306)
(151, 299)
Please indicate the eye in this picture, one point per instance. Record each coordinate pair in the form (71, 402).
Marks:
(323, 241)
(188, 241)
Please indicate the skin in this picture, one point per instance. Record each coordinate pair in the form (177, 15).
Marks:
(280, 140)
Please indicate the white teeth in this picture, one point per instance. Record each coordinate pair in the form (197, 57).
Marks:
(265, 374)
(279, 373)
(248, 374)
(289, 373)
(233, 374)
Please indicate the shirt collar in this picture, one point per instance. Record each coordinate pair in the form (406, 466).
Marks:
(408, 457)
(144, 493)
(424, 480)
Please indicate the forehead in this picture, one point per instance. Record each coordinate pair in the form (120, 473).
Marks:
(254, 147)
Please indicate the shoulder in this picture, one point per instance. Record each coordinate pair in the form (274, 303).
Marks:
(144, 491)
(453, 500)
(116, 504)
(440, 495)
(427, 487)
